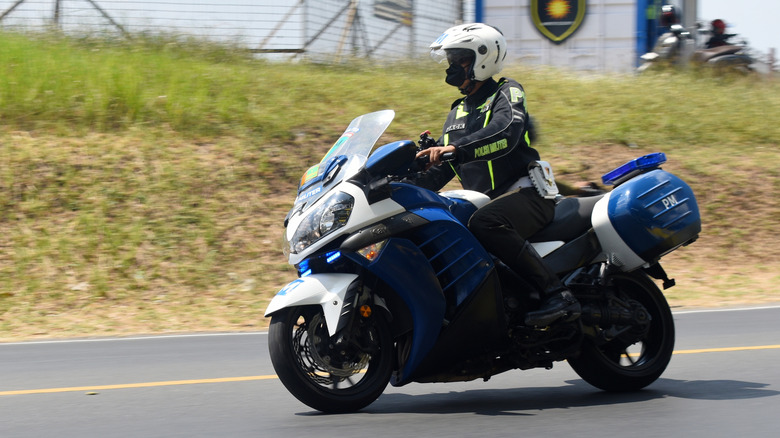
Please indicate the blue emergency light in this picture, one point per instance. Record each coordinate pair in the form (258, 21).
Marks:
(634, 167)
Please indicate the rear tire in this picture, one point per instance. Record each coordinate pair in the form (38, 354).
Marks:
(628, 362)
(324, 377)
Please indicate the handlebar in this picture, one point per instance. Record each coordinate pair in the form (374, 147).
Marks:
(426, 142)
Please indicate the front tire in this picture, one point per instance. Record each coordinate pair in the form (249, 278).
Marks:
(639, 355)
(330, 376)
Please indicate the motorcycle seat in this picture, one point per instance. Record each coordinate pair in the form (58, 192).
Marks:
(572, 219)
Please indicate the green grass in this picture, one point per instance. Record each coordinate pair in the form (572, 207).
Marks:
(50, 83)
(143, 183)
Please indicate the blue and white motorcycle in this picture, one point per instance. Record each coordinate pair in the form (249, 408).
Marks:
(393, 288)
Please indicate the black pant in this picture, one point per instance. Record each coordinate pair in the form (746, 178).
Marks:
(503, 225)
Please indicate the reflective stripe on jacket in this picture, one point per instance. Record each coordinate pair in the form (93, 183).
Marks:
(489, 131)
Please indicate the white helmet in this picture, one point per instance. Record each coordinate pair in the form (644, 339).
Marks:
(486, 43)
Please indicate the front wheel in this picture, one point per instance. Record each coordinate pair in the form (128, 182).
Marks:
(332, 375)
(630, 354)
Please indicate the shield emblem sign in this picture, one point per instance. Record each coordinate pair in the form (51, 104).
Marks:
(557, 19)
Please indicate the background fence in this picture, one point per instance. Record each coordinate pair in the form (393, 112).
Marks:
(398, 28)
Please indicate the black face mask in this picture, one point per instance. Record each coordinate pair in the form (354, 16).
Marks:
(456, 75)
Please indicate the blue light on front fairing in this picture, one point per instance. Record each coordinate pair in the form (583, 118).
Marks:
(308, 266)
(332, 256)
(633, 167)
(303, 268)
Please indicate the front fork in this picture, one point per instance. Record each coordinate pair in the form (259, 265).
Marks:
(359, 308)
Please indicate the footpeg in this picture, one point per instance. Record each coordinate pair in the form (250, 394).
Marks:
(561, 306)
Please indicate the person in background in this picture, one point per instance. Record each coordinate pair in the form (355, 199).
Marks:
(719, 36)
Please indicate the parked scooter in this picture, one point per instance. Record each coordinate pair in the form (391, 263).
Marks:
(668, 49)
(721, 53)
(394, 288)
(672, 47)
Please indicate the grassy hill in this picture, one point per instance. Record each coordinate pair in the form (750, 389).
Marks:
(143, 184)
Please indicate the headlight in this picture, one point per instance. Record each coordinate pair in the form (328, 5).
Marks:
(331, 215)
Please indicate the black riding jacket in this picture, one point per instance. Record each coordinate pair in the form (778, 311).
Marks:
(489, 130)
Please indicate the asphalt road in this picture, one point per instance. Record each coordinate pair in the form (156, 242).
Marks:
(723, 381)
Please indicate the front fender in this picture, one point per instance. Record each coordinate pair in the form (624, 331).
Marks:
(327, 290)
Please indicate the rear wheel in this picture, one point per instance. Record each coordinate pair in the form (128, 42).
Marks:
(628, 353)
(340, 374)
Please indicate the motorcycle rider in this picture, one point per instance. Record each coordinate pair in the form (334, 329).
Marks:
(669, 16)
(670, 20)
(488, 130)
(719, 36)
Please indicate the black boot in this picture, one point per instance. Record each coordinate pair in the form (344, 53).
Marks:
(557, 301)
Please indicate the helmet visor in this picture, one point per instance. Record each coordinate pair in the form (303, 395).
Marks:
(438, 55)
(453, 56)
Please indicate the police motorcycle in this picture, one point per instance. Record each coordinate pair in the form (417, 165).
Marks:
(393, 288)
